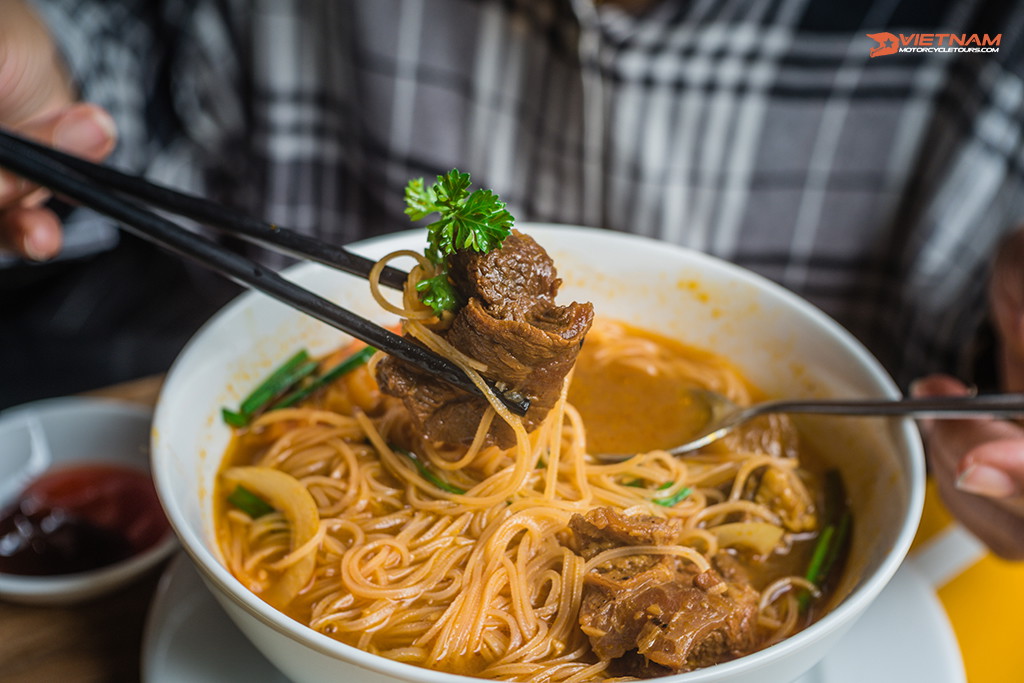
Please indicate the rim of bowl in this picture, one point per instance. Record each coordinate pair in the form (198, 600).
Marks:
(67, 588)
(851, 606)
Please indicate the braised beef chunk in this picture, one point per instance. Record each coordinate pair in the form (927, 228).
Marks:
(511, 281)
(510, 323)
(603, 529)
(658, 614)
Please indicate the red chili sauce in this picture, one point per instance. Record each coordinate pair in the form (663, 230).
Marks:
(81, 517)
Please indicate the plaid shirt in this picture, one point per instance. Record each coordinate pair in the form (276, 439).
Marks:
(758, 131)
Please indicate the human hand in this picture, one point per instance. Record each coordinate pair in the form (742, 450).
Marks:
(978, 465)
(37, 100)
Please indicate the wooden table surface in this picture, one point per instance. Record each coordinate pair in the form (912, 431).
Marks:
(97, 640)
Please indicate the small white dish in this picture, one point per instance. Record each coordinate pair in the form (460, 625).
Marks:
(38, 436)
(188, 637)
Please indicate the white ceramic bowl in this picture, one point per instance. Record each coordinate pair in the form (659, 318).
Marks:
(63, 431)
(786, 346)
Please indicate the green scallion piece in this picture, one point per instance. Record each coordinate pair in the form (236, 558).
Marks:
(286, 375)
(821, 550)
(344, 367)
(676, 498)
(639, 484)
(233, 419)
(837, 547)
(284, 378)
(835, 496)
(427, 474)
(249, 503)
(833, 538)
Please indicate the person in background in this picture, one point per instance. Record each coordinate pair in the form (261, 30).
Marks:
(885, 189)
(81, 306)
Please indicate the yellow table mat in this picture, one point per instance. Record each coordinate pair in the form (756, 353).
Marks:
(984, 602)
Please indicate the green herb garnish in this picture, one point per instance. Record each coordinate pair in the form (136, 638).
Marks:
(249, 503)
(279, 381)
(675, 498)
(832, 540)
(639, 483)
(672, 500)
(475, 220)
(233, 418)
(344, 367)
(439, 293)
(290, 383)
(821, 548)
(837, 547)
(427, 473)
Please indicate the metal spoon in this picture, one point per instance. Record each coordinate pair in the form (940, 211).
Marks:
(724, 416)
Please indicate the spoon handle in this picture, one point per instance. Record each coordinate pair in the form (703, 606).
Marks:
(990, 405)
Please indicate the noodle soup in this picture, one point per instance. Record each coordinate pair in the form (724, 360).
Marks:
(496, 562)
(780, 343)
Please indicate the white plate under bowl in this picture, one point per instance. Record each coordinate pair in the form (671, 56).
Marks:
(904, 636)
(37, 436)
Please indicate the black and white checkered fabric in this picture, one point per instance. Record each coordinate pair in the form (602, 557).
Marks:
(759, 131)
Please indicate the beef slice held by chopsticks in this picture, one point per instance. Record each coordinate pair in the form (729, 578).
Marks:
(511, 323)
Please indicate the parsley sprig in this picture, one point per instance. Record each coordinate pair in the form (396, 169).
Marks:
(474, 220)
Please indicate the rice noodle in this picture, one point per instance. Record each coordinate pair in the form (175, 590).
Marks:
(482, 582)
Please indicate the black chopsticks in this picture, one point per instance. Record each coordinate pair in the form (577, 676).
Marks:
(113, 193)
(219, 216)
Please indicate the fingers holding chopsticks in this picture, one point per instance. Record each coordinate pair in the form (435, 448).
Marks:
(38, 100)
(26, 227)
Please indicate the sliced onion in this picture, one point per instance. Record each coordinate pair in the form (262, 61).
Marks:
(286, 494)
(761, 537)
